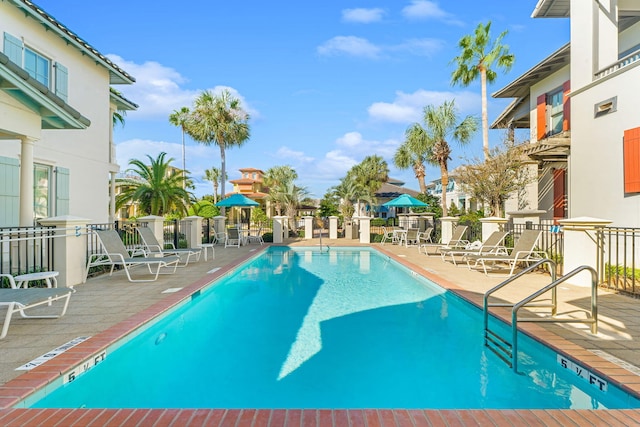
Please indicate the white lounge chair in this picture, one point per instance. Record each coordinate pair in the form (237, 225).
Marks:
(256, 238)
(18, 300)
(523, 251)
(457, 241)
(115, 253)
(151, 246)
(388, 235)
(492, 246)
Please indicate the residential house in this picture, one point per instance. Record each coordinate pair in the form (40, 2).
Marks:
(389, 190)
(600, 135)
(57, 155)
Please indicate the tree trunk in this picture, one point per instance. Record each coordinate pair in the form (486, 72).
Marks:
(215, 192)
(184, 164)
(223, 162)
(418, 169)
(485, 122)
(444, 178)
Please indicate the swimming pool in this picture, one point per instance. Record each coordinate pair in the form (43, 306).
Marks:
(296, 328)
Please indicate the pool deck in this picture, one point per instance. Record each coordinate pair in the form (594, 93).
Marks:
(107, 308)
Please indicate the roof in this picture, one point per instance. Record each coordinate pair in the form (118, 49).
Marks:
(247, 181)
(121, 102)
(390, 191)
(516, 115)
(552, 9)
(55, 112)
(520, 87)
(116, 74)
(250, 170)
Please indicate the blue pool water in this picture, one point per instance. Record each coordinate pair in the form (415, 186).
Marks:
(296, 328)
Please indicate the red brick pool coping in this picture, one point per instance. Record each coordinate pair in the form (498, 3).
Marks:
(16, 390)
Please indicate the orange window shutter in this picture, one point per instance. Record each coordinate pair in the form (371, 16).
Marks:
(542, 116)
(632, 160)
(566, 106)
(559, 193)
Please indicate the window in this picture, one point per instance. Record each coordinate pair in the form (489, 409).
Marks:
(41, 191)
(556, 112)
(39, 67)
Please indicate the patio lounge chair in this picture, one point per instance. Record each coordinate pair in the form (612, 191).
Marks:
(523, 251)
(457, 241)
(493, 245)
(151, 246)
(256, 238)
(115, 253)
(233, 238)
(18, 300)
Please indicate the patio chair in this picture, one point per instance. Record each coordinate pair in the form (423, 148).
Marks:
(411, 237)
(233, 238)
(425, 237)
(457, 241)
(115, 253)
(18, 300)
(523, 251)
(388, 235)
(151, 246)
(493, 245)
(256, 238)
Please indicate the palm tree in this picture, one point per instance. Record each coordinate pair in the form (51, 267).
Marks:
(179, 118)
(218, 119)
(276, 178)
(290, 197)
(215, 176)
(158, 188)
(478, 54)
(118, 115)
(440, 124)
(369, 175)
(413, 152)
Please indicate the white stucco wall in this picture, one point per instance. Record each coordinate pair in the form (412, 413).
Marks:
(84, 152)
(596, 182)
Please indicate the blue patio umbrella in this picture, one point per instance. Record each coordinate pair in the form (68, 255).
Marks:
(405, 201)
(237, 199)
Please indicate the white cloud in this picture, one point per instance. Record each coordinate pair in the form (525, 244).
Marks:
(361, 15)
(425, 9)
(420, 47)
(408, 107)
(158, 90)
(285, 153)
(349, 45)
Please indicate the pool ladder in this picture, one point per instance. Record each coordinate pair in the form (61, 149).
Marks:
(508, 351)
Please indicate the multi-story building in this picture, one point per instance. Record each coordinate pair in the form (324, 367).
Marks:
(57, 155)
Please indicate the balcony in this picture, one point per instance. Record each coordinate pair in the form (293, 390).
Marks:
(626, 61)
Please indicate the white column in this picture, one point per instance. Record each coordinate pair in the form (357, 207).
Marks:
(581, 246)
(278, 229)
(194, 231)
(447, 223)
(220, 224)
(112, 197)
(491, 224)
(70, 252)
(308, 227)
(333, 227)
(26, 181)
(365, 229)
(156, 224)
(525, 216)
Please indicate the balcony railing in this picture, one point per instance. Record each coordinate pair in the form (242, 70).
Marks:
(621, 63)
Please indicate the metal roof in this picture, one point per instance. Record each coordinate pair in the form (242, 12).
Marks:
(520, 86)
(116, 74)
(55, 113)
(552, 9)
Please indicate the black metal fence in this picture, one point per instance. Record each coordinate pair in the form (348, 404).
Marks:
(619, 249)
(551, 239)
(26, 249)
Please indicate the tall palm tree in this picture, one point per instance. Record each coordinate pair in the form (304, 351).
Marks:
(220, 120)
(441, 123)
(118, 115)
(179, 118)
(413, 152)
(478, 54)
(158, 190)
(215, 176)
(290, 196)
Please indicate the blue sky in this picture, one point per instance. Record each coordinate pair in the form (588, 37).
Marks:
(326, 82)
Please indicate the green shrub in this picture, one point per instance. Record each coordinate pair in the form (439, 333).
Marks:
(268, 237)
(378, 222)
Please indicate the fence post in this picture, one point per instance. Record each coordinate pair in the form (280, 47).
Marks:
(527, 216)
(70, 252)
(156, 225)
(365, 229)
(193, 231)
(581, 246)
(333, 227)
(447, 223)
(491, 224)
(279, 228)
(308, 227)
